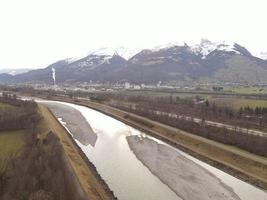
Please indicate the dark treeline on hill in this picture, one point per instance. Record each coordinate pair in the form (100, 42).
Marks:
(20, 115)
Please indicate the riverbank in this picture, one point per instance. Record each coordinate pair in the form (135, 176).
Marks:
(89, 180)
(186, 178)
(36, 166)
(241, 164)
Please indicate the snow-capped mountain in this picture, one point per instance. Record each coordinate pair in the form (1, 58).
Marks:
(104, 54)
(206, 47)
(175, 62)
(92, 60)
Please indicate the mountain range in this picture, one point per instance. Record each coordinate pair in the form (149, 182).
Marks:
(206, 62)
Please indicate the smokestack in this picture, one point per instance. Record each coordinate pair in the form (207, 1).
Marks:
(54, 75)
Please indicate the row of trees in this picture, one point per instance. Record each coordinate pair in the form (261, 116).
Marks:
(257, 111)
(252, 143)
(199, 108)
(18, 114)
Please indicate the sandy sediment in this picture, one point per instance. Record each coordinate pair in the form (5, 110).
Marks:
(76, 123)
(186, 178)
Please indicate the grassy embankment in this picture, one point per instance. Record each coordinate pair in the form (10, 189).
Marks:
(239, 163)
(4, 105)
(237, 103)
(10, 144)
(246, 90)
(91, 184)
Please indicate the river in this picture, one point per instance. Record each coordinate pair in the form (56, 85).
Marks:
(126, 176)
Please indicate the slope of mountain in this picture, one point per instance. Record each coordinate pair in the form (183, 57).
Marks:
(168, 64)
(5, 78)
(204, 62)
(14, 71)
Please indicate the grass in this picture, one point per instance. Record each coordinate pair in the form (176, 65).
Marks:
(238, 103)
(247, 90)
(162, 94)
(12, 141)
(4, 105)
(43, 127)
(10, 144)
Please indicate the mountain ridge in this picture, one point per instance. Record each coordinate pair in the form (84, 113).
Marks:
(173, 63)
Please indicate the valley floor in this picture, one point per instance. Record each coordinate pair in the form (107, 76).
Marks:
(239, 163)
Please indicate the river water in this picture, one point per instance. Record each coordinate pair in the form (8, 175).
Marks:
(126, 176)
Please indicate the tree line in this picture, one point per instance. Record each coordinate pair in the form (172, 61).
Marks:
(252, 143)
(257, 111)
(19, 114)
(197, 107)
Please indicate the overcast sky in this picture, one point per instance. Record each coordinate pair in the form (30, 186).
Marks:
(35, 33)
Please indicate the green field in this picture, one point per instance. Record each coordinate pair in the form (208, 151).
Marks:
(236, 103)
(4, 105)
(10, 144)
(246, 90)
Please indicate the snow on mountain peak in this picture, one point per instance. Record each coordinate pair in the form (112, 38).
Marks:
(73, 59)
(203, 48)
(168, 45)
(206, 47)
(126, 53)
